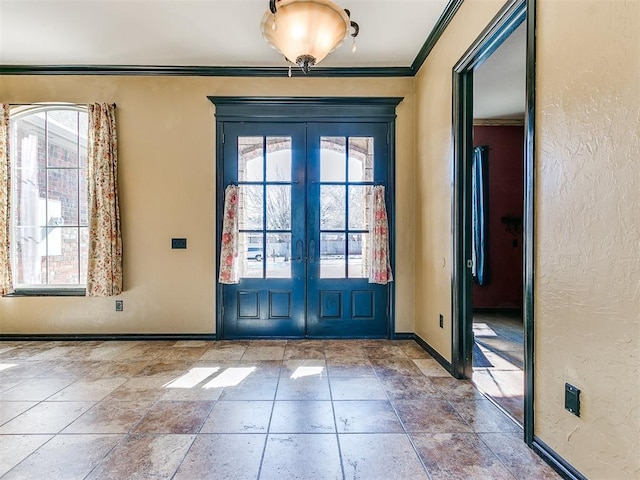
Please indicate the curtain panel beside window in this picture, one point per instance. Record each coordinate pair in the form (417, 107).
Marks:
(6, 281)
(104, 275)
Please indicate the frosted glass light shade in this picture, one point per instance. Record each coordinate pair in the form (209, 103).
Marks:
(306, 28)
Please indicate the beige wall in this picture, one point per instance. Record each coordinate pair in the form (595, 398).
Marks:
(587, 303)
(167, 186)
(587, 290)
(434, 153)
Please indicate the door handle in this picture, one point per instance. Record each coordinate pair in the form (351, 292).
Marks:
(312, 251)
(299, 251)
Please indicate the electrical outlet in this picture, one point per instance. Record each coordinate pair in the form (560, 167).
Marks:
(179, 243)
(572, 399)
(441, 321)
(119, 305)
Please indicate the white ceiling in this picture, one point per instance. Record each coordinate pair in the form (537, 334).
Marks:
(220, 33)
(499, 84)
(195, 32)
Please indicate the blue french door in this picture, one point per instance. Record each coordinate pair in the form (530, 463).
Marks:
(305, 190)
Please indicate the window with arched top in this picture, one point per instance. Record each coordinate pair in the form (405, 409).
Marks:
(49, 226)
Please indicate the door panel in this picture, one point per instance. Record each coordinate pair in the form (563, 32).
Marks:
(304, 229)
(267, 162)
(344, 162)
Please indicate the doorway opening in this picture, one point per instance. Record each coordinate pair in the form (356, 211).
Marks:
(497, 206)
(492, 210)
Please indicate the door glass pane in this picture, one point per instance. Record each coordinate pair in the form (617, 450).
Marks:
(359, 201)
(332, 207)
(333, 158)
(279, 255)
(332, 255)
(250, 155)
(250, 255)
(361, 159)
(278, 159)
(251, 207)
(358, 259)
(278, 207)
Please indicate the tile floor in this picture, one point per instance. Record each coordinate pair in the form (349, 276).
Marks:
(498, 359)
(248, 409)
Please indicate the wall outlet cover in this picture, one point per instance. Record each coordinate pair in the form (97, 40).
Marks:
(119, 305)
(180, 243)
(572, 399)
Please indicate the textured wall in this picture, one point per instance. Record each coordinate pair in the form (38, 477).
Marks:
(434, 153)
(166, 133)
(587, 292)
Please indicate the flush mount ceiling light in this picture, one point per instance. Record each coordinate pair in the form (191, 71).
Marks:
(306, 31)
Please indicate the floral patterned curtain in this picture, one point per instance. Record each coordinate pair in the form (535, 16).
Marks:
(229, 245)
(380, 271)
(6, 282)
(104, 269)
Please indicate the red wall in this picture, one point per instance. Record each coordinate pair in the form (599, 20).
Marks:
(505, 172)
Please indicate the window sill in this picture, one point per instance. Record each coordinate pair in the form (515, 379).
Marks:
(48, 292)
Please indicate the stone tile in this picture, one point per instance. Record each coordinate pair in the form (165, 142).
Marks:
(385, 351)
(251, 388)
(517, 457)
(144, 456)
(46, 417)
(9, 410)
(400, 387)
(109, 350)
(431, 368)
(301, 368)
(110, 416)
(15, 448)
(69, 369)
(456, 390)
(385, 367)
(217, 456)
(263, 368)
(302, 416)
(356, 388)
(264, 353)
(91, 390)
(141, 388)
(117, 369)
(239, 417)
(224, 353)
(194, 343)
(372, 416)
(458, 456)
(301, 456)
(300, 352)
(350, 368)
(174, 417)
(430, 416)
(485, 417)
(380, 456)
(414, 351)
(162, 369)
(65, 457)
(35, 389)
(303, 388)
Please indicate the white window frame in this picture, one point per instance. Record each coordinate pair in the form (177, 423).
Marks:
(44, 289)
